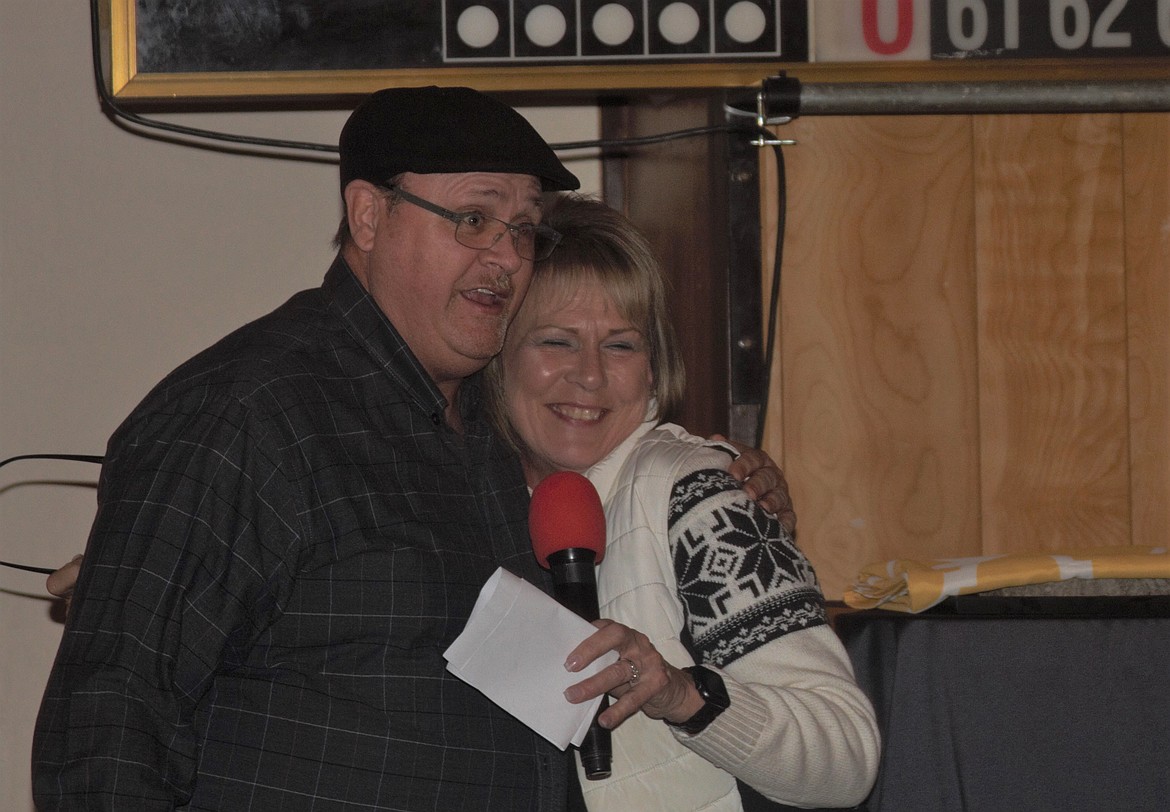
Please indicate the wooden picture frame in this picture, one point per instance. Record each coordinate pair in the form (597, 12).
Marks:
(162, 50)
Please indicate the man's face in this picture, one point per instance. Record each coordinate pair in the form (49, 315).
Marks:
(452, 304)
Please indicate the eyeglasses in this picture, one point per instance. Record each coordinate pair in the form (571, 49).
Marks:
(474, 229)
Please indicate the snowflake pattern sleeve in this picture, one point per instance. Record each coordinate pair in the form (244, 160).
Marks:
(741, 578)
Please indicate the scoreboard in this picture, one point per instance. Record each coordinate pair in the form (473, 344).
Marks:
(1053, 28)
(175, 48)
(947, 30)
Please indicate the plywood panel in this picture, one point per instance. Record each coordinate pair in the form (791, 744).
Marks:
(973, 354)
(878, 425)
(1052, 326)
(1147, 257)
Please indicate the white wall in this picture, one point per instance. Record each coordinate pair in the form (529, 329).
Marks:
(120, 256)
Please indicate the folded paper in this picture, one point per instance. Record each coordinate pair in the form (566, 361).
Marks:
(913, 586)
(514, 648)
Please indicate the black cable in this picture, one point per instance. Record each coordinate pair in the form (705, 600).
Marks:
(28, 568)
(773, 301)
(644, 140)
(773, 312)
(115, 109)
(774, 295)
(72, 457)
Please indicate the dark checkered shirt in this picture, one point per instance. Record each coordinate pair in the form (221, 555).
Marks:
(288, 537)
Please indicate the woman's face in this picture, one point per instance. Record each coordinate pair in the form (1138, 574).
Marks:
(577, 378)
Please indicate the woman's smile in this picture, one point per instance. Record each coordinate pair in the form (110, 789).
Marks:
(577, 377)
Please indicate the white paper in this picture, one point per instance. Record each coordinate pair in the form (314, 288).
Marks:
(514, 648)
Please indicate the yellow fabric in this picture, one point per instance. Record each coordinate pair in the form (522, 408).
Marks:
(905, 585)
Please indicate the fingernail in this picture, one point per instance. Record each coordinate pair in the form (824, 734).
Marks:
(572, 664)
(572, 694)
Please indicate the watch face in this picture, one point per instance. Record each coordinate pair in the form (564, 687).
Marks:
(710, 686)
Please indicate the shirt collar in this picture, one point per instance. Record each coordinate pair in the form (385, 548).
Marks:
(370, 327)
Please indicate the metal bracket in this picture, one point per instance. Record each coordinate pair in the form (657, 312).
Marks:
(762, 118)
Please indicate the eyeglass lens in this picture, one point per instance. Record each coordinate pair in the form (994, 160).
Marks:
(481, 232)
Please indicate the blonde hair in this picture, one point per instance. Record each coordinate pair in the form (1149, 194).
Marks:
(600, 244)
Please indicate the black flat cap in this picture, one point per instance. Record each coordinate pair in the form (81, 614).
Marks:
(444, 129)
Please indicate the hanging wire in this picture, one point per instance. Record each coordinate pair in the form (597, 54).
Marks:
(119, 112)
(774, 293)
(755, 129)
(72, 457)
(111, 104)
(780, 91)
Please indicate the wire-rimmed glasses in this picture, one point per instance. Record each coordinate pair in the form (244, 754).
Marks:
(474, 229)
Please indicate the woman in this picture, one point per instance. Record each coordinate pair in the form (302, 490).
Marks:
(706, 576)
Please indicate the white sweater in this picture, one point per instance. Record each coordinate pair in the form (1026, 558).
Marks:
(799, 730)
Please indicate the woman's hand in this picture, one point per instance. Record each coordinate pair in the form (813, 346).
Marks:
(640, 680)
(763, 481)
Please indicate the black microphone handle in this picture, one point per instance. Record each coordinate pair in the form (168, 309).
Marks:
(575, 587)
(597, 748)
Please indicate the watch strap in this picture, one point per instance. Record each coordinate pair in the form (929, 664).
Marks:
(715, 700)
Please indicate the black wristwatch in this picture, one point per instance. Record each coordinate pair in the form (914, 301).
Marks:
(710, 686)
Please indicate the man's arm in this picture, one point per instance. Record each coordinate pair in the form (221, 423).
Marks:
(171, 585)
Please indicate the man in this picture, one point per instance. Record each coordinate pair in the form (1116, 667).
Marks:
(295, 524)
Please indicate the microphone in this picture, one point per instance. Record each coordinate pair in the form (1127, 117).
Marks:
(567, 526)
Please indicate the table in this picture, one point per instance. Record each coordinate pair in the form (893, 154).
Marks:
(1029, 706)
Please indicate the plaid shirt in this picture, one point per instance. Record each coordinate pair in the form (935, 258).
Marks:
(288, 537)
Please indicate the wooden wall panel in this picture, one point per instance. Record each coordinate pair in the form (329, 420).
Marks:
(878, 427)
(677, 192)
(1147, 253)
(973, 355)
(1052, 326)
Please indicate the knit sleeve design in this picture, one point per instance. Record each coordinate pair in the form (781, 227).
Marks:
(741, 578)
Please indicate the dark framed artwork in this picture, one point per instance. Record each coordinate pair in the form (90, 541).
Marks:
(168, 49)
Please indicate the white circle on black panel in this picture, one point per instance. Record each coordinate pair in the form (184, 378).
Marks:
(477, 26)
(613, 24)
(745, 22)
(679, 23)
(545, 26)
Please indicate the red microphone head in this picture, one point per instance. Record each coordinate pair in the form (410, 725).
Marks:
(565, 512)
